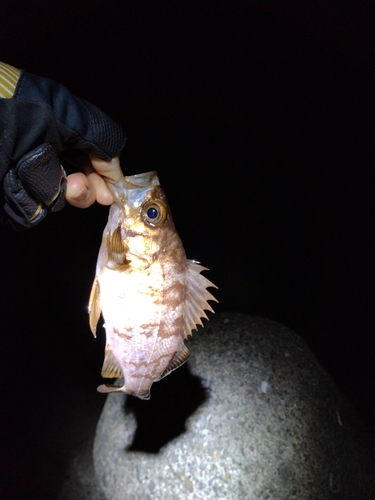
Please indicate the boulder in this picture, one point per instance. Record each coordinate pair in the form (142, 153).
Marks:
(252, 415)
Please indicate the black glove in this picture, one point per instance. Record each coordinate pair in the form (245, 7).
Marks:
(39, 125)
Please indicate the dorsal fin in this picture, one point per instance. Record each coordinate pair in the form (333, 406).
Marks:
(181, 356)
(196, 297)
(110, 368)
(94, 306)
(117, 250)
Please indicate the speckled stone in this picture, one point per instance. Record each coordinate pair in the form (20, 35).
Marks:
(252, 416)
(80, 482)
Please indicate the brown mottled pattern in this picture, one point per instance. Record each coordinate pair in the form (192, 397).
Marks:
(127, 336)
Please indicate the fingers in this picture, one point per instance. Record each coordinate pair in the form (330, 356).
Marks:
(78, 191)
(110, 170)
(83, 189)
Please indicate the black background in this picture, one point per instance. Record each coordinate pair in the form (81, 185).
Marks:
(259, 118)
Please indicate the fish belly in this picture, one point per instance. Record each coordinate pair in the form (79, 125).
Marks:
(139, 327)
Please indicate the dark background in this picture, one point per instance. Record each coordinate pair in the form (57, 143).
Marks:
(259, 118)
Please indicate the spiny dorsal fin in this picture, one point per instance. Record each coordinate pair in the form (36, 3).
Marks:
(181, 356)
(110, 368)
(196, 297)
(117, 250)
(94, 306)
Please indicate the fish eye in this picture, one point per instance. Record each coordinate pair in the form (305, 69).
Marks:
(154, 213)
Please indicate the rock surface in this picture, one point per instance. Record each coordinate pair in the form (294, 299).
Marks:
(80, 481)
(251, 416)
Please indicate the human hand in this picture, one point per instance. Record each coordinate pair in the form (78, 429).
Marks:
(84, 188)
(43, 126)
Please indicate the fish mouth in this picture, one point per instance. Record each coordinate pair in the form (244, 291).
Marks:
(133, 188)
(145, 180)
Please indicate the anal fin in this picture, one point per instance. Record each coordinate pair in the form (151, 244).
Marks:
(110, 367)
(181, 356)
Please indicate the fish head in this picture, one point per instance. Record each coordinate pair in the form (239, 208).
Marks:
(139, 221)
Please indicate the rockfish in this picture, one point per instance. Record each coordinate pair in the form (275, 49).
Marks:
(151, 296)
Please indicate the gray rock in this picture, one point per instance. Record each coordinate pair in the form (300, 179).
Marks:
(80, 482)
(252, 416)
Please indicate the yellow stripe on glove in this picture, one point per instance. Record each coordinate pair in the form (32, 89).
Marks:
(8, 80)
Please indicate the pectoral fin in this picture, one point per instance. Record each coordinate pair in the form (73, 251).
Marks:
(110, 368)
(181, 356)
(94, 306)
(117, 251)
(106, 388)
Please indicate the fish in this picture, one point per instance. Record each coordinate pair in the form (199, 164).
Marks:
(150, 295)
